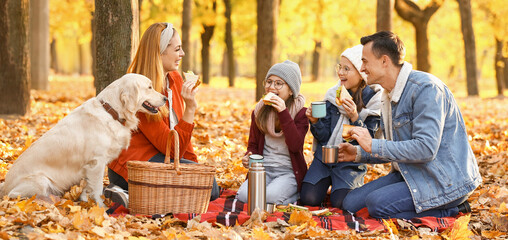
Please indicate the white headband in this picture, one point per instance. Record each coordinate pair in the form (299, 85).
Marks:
(166, 36)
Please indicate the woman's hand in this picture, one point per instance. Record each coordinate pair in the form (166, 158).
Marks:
(350, 108)
(189, 97)
(278, 103)
(308, 113)
(245, 160)
(189, 94)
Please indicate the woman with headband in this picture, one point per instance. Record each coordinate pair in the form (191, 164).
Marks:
(158, 57)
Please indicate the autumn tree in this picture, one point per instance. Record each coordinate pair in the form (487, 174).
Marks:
(207, 10)
(230, 55)
(384, 15)
(39, 44)
(186, 33)
(319, 8)
(466, 22)
(411, 12)
(267, 13)
(116, 39)
(14, 57)
(497, 13)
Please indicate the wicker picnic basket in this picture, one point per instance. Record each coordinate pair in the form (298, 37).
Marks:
(160, 188)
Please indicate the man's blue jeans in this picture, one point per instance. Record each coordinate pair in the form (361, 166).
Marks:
(389, 197)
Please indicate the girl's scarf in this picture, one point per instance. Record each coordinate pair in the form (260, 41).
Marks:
(272, 116)
(373, 108)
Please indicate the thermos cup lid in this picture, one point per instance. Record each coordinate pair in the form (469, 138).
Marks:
(256, 157)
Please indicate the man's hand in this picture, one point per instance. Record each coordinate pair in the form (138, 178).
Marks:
(347, 152)
(362, 136)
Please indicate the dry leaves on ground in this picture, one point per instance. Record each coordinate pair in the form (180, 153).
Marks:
(220, 139)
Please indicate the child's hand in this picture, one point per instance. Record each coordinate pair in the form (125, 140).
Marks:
(350, 108)
(308, 113)
(245, 160)
(278, 103)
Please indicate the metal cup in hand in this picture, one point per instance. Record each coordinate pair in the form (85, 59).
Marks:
(330, 154)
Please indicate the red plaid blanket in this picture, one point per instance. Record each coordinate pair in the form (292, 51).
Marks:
(228, 211)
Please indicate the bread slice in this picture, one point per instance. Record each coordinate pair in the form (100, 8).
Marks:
(342, 94)
(267, 97)
(190, 76)
(345, 132)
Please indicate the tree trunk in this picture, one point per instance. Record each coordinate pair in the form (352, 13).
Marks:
(422, 47)
(466, 23)
(116, 39)
(206, 36)
(384, 15)
(301, 63)
(186, 33)
(267, 13)
(505, 71)
(93, 45)
(14, 57)
(498, 66)
(229, 44)
(410, 12)
(315, 60)
(54, 56)
(39, 44)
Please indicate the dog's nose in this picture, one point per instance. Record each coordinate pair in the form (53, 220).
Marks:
(165, 99)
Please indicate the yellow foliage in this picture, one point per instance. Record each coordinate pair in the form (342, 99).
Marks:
(259, 233)
(301, 217)
(460, 229)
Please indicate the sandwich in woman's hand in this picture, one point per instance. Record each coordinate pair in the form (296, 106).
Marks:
(267, 97)
(190, 76)
(342, 94)
(345, 132)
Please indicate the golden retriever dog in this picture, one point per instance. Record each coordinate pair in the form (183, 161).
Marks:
(84, 142)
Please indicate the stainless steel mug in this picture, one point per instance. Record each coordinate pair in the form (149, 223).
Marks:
(330, 154)
(257, 187)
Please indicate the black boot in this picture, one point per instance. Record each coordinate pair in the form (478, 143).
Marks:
(464, 207)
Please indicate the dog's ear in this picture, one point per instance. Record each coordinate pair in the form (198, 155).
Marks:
(129, 97)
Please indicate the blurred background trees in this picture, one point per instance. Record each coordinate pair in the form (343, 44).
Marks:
(463, 42)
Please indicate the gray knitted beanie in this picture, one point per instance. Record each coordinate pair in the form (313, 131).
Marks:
(290, 73)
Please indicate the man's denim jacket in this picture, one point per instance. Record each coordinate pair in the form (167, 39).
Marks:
(430, 144)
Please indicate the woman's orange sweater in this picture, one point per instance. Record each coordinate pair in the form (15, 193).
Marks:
(152, 136)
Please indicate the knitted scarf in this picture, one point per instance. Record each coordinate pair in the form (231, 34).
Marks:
(272, 116)
(373, 108)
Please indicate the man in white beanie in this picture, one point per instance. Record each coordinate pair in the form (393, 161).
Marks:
(362, 110)
(434, 169)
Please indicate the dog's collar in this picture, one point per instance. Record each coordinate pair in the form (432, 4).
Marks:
(112, 112)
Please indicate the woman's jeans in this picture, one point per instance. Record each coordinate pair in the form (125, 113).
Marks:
(159, 157)
(389, 197)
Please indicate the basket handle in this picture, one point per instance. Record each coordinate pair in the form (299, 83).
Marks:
(167, 159)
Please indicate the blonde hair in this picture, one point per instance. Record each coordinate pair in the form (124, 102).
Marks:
(148, 62)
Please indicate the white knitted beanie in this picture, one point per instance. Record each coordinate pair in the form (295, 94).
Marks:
(354, 54)
(290, 73)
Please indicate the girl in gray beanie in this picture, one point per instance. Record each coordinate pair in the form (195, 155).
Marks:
(363, 110)
(277, 132)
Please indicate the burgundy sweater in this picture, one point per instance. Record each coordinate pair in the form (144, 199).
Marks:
(294, 133)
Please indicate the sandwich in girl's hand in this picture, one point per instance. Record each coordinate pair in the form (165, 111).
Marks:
(345, 132)
(342, 94)
(267, 98)
(190, 76)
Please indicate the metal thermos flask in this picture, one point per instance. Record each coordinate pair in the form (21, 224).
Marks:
(257, 187)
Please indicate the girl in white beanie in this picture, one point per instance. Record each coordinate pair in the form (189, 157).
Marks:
(362, 111)
(277, 132)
